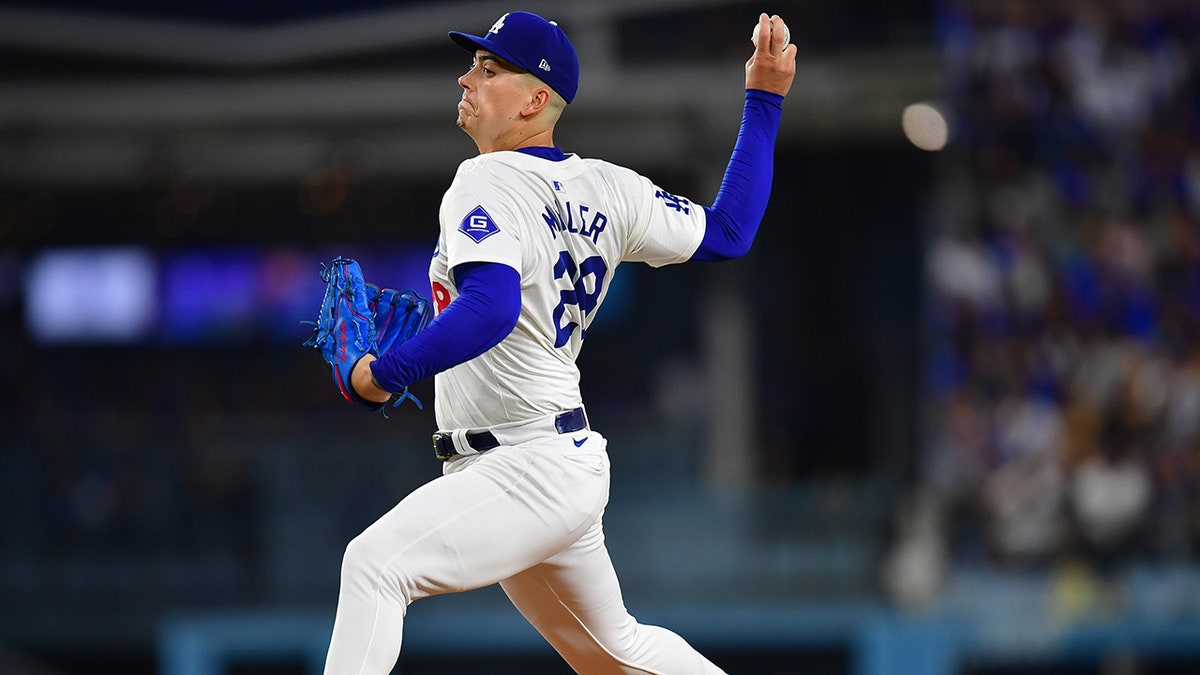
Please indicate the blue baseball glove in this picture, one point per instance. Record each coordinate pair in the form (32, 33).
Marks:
(399, 315)
(345, 329)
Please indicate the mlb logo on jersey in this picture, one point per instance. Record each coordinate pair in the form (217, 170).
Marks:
(478, 225)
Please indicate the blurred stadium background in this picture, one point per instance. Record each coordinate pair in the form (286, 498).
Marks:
(945, 418)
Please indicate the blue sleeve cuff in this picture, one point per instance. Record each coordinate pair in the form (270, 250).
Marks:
(483, 314)
(733, 219)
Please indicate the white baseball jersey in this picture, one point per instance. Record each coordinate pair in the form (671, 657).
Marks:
(564, 226)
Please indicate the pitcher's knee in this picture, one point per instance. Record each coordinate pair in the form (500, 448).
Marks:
(373, 569)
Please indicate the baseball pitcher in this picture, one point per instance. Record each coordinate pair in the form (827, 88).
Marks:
(530, 238)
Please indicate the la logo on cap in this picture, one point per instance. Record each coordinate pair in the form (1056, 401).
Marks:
(498, 25)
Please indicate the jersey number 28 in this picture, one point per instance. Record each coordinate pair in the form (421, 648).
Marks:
(577, 300)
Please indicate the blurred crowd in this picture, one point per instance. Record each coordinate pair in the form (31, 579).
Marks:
(1063, 421)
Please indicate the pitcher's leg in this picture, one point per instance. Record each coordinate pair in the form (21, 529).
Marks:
(574, 600)
(464, 530)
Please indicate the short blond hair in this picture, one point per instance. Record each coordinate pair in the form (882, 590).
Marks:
(557, 103)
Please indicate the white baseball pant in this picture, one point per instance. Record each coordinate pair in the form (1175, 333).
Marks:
(527, 516)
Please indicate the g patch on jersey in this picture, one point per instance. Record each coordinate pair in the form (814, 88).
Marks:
(478, 225)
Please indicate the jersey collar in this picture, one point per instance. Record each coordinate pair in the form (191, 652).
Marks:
(554, 154)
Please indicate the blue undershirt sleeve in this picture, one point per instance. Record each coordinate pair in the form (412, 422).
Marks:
(734, 217)
(482, 315)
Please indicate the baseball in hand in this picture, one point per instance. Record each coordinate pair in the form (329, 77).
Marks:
(787, 36)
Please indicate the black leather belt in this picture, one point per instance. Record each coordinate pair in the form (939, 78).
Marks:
(482, 441)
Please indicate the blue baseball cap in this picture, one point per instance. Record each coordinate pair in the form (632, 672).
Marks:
(528, 41)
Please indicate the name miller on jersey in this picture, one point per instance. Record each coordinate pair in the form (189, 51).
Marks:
(563, 220)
